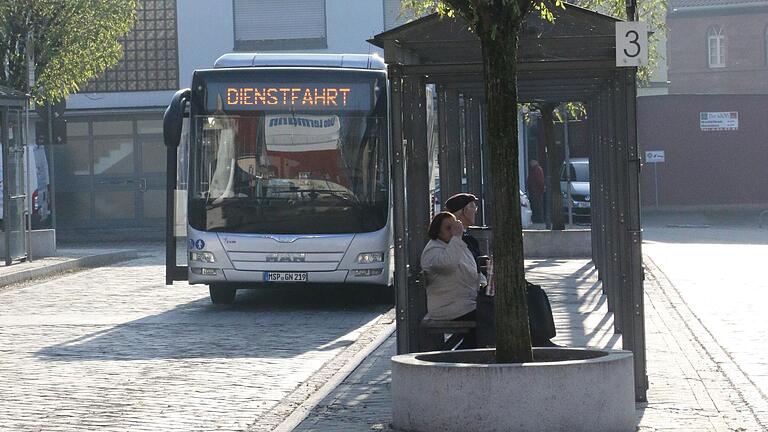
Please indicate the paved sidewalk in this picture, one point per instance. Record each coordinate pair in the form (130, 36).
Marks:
(66, 259)
(689, 387)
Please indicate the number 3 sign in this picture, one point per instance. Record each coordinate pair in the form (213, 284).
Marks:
(631, 44)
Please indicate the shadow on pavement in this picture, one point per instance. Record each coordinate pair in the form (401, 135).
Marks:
(269, 324)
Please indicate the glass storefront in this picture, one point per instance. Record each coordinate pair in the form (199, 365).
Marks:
(111, 172)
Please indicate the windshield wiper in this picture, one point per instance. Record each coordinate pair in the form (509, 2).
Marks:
(343, 195)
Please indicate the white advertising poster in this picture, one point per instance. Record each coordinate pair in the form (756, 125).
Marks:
(299, 133)
(719, 121)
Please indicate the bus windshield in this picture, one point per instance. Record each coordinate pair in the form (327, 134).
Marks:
(283, 172)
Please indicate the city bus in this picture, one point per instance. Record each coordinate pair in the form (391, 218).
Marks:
(281, 163)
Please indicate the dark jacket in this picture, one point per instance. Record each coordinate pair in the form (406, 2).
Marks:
(474, 246)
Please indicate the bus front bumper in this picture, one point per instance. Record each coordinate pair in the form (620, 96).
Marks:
(258, 277)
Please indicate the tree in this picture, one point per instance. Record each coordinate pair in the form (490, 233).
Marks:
(73, 40)
(497, 24)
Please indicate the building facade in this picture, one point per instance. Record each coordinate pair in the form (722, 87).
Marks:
(110, 174)
(718, 47)
(710, 126)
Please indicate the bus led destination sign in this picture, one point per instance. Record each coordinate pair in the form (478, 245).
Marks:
(309, 97)
(295, 96)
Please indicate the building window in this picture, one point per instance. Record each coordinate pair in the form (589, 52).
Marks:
(279, 24)
(716, 47)
(150, 56)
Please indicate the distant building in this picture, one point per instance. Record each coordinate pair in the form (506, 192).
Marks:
(111, 172)
(718, 47)
(712, 124)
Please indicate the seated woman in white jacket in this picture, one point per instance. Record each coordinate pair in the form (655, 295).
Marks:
(451, 273)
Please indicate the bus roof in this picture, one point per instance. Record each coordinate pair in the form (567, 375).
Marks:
(353, 61)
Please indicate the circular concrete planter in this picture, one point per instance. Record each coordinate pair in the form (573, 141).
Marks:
(565, 389)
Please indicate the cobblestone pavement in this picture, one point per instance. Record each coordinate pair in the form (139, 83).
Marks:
(693, 386)
(720, 292)
(114, 349)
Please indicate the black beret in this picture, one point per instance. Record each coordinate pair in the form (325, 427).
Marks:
(459, 201)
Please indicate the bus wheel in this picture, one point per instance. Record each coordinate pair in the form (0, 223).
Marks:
(221, 294)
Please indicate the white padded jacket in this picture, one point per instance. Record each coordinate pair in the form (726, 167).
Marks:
(452, 280)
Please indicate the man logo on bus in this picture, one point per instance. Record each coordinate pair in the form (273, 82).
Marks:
(286, 257)
(200, 244)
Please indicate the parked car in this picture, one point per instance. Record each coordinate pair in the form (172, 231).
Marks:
(576, 179)
(525, 210)
(39, 203)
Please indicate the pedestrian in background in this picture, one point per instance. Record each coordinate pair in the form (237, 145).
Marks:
(535, 186)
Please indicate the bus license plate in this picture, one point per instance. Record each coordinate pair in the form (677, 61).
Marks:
(284, 277)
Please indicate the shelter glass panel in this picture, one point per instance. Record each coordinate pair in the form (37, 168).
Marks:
(72, 206)
(115, 205)
(113, 156)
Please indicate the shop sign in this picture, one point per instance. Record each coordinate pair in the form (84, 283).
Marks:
(719, 121)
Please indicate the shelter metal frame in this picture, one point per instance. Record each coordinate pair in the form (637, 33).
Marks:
(570, 60)
(13, 101)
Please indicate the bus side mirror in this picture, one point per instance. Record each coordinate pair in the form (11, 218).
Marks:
(173, 119)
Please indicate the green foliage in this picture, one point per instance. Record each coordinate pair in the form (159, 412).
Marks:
(74, 41)
(472, 10)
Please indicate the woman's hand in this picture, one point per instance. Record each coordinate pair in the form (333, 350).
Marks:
(457, 228)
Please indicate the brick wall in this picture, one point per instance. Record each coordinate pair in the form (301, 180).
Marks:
(704, 168)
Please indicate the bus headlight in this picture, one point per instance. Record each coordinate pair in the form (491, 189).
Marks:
(206, 257)
(370, 257)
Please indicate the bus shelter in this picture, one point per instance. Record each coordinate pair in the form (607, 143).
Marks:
(570, 60)
(12, 109)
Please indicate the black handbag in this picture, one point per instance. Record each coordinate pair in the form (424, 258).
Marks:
(540, 318)
(486, 322)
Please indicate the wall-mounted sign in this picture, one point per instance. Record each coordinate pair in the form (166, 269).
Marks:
(631, 44)
(719, 121)
(654, 156)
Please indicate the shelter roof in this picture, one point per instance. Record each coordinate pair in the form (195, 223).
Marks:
(10, 93)
(557, 61)
(576, 33)
(9, 96)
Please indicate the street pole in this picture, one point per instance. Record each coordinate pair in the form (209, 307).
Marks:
(631, 6)
(29, 52)
(656, 181)
(51, 167)
(568, 166)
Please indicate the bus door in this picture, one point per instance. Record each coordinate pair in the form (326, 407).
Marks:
(176, 137)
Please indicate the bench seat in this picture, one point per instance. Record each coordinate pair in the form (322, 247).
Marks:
(434, 332)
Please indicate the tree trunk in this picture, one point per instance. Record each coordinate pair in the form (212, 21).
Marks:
(555, 156)
(513, 339)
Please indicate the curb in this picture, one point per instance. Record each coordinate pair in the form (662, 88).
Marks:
(86, 262)
(301, 412)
